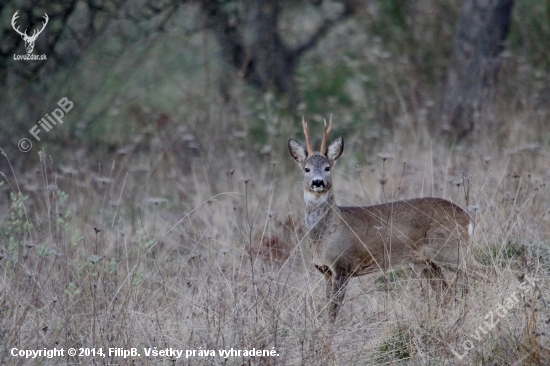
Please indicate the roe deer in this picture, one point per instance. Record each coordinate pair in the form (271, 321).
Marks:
(428, 233)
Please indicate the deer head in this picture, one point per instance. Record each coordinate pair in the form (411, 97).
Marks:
(29, 40)
(316, 166)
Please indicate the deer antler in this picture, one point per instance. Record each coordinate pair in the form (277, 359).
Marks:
(306, 133)
(325, 135)
(13, 19)
(36, 33)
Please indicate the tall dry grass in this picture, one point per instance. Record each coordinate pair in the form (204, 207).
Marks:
(163, 248)
(184, 228)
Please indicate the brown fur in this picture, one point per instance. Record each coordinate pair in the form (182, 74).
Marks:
(428, 233)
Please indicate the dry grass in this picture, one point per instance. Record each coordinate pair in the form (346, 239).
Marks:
(187, 230)
(211, 254)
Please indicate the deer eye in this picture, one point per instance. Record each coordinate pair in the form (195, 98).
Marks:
(306, 170)
(327, 169)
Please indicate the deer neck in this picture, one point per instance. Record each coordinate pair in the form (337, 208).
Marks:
(319, 211)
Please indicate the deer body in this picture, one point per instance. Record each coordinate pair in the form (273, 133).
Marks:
(383, 236)
(428, 233)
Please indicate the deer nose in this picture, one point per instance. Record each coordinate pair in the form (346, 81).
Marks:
(317, 183)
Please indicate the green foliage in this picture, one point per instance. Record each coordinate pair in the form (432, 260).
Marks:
(17, 226)
(137, 278)
(530, 32)
(323, 86)
(396, 347)
(393, 17)
(418, 32)
(76, 238)
(13, 249)
(267, 110)
(62, 221)
(60, 226)
(392, 280)
(44, 250)
(18, 204)
(143, 241)
(63, 197)
(500, 254)
(85, 267)
(72, 290)
(112, 266)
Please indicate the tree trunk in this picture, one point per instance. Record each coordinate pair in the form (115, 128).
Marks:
(253, 44)
(265, 61)
(274, 61)
(478, 42)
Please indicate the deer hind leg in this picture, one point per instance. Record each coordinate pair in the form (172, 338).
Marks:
(449, 249)
(462, 262)
(434, 276)
(339, 283)
(445, 248)
(476, 269)
(452, 253)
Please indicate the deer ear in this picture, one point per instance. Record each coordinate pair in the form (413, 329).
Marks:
(297, 151)
(335, 149)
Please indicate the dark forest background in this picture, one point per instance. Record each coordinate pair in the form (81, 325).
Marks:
(452, 67)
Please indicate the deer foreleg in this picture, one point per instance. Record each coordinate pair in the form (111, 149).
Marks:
(339, 284)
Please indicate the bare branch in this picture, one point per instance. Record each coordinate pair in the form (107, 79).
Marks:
(349, 10)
